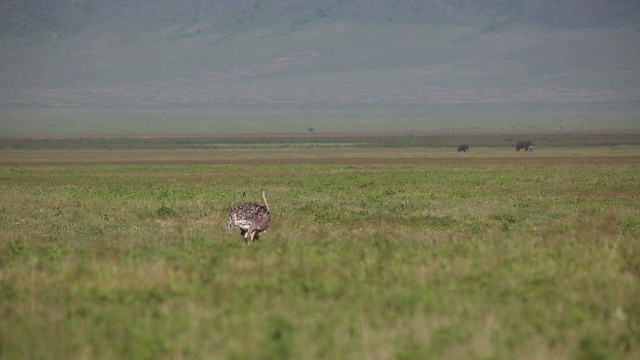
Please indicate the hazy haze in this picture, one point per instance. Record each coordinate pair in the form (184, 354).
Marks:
(293, 56)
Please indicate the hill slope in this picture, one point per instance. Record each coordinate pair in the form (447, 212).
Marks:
(71, 53)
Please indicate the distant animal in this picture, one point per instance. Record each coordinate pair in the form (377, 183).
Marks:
(526, 145)
(464, 148)
(251, 218)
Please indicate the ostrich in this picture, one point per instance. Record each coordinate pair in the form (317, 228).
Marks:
(251, 218)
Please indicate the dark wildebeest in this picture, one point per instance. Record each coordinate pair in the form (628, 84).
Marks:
(464, 148)
(526, 145)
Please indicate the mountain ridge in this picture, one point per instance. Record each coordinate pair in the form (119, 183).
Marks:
(127, 53)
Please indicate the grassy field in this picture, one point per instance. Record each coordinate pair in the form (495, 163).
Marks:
(189, 121)
(374, 253)
(426, 139)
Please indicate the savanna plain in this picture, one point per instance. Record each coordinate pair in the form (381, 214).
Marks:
(375, 252)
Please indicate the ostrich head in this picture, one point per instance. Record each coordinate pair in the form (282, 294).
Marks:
(264, 200)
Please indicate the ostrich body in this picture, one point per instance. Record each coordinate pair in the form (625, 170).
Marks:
(251, 218)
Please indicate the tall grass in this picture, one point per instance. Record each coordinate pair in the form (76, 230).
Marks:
(493, 260)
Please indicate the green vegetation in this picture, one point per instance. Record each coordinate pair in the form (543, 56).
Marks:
(420, 140)
(495, 258)
(217, 120)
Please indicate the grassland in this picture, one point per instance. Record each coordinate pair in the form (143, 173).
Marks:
(375, 253)
(310, 140)
(187, 120)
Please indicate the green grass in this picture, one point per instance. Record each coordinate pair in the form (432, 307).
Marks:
(329, 117)
(487, 260)
(491, 139)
